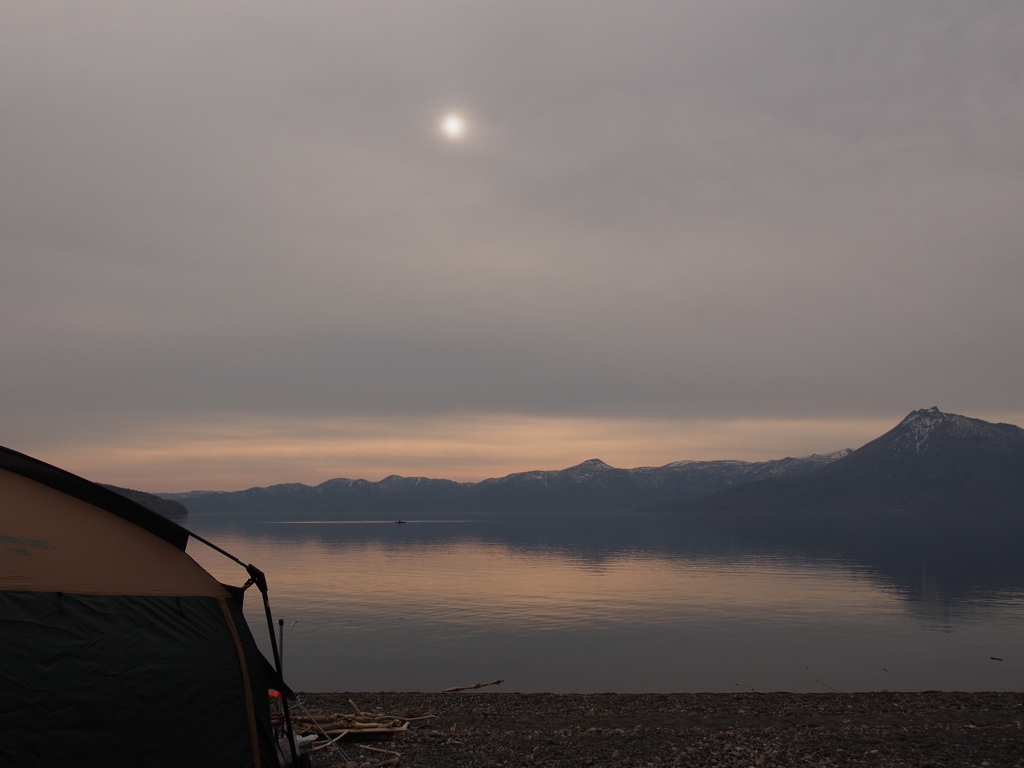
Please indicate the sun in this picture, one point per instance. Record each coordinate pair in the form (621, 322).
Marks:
(453, 126)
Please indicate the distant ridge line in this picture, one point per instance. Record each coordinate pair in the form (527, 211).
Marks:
(589, 485)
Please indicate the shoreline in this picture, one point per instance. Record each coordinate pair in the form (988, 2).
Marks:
(490, 729)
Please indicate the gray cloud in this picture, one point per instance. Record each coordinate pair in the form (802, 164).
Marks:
(699, 210)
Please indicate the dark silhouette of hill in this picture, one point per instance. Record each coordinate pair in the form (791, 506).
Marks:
(166, 507)
(590, 486)
(930, 461)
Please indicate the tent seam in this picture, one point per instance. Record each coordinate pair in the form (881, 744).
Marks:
(249, 709)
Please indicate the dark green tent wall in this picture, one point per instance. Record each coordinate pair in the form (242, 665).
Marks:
(116, 648)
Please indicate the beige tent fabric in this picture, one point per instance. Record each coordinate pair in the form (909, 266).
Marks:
(52, 542)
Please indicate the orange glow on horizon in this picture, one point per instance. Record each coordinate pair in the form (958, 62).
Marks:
(247, 452)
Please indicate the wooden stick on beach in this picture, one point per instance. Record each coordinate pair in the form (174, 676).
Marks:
(471, 687)
(329, 742)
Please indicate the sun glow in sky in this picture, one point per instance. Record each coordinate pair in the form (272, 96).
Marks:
(453, 126)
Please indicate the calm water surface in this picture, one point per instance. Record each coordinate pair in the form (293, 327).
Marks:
(633, 603)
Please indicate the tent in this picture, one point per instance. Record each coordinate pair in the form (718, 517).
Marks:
(116, 647)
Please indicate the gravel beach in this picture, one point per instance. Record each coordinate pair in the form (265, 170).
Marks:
(508, 730)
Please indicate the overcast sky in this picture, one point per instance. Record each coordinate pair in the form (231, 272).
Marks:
(237, 249)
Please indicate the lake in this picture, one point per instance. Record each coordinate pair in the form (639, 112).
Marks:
(639, 602)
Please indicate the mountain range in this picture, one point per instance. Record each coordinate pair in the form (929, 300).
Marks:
(930, 461)
(590, 486)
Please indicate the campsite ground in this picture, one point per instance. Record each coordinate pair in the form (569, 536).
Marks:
(488, 730)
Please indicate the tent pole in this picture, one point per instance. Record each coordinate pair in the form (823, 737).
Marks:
(226, 554)
(260, 580)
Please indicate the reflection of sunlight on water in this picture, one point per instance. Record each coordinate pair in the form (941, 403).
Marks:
(469, 583)
(391, 608)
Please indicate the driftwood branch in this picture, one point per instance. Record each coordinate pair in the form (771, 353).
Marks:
(471, 687)
(329, 742)
(335, 727)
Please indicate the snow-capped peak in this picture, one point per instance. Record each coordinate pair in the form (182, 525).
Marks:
(919, 426)
(588, 467)
(826, 458)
